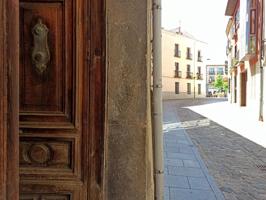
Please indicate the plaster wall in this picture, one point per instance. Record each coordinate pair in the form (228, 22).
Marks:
(169, 39)
(128, 159)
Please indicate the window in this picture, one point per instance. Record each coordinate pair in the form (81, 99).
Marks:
(237, 19)
(226, 68)
(188, 68)
(252, 21)
(199, 75)
(177, 51)
(199, 56)
(211, 71)
(253, 4)
(199, 88)
(220, 71)
(177, 72)
(176, 66)
(189, 74)
(189, 55)
(177, 87)
(199, 70)
(188, 88)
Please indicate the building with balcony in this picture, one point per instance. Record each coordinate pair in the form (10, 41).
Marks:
(183, 65)
(243, 52)
(212, 72)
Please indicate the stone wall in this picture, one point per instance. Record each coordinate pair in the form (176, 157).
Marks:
(128, 159)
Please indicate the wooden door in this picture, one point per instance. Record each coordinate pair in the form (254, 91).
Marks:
(61, 102)
(235, 89)
(243, 101)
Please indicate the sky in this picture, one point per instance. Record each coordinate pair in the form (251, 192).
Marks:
(204, 19)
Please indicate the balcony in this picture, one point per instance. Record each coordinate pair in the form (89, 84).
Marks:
(228, 49)
(199, 58)
(189, 75)
(199, 76)
(177, 74)
(189, 56)
(235, 60)
(178, 53)
(251, 34)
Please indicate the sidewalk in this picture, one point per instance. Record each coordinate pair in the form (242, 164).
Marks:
(238, 119)
(186, 176)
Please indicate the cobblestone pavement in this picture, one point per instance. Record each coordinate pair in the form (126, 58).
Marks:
(237, 165)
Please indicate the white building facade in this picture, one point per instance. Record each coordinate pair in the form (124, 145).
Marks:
(244, 54)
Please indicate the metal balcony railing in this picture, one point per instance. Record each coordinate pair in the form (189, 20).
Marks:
(177, 74)
(189, 75)
(189, 56)
(178, 53)
(235, 59)
(199, 58)
(199, 76)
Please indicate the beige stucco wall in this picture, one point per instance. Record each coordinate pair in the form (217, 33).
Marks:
(128, 159)
(169, 39)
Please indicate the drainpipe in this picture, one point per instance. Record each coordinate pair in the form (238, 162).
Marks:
(194, 66)
(262, 57)
(157, 101)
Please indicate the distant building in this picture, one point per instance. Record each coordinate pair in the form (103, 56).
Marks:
(183, 65)
(212, 71)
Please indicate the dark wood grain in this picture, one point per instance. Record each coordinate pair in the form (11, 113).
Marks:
(62, 111)
(97, 80)
(9, 51)
(47, 100)
(61, 120)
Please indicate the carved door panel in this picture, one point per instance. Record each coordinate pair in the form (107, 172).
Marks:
(54, 161)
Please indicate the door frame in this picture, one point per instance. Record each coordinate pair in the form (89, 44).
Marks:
(94, 68)
(9, 63)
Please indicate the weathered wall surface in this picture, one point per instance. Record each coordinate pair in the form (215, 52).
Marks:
(128, 147)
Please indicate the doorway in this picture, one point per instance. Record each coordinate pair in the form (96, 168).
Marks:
(61, 98)
(235, 88)
(243, 79)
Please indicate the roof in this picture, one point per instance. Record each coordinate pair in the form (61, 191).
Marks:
(178, 31)
(184, 33)
(230, 7)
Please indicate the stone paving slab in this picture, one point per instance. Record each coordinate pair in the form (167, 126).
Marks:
(176, 181)
(191, 163)
(181, 194)
(185, 171)
(199, 183)
(186, 176)
(173, 162)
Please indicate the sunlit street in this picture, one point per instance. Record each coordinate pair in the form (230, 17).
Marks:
(208, 160)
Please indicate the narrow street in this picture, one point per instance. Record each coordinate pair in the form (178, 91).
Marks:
(206, 161)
